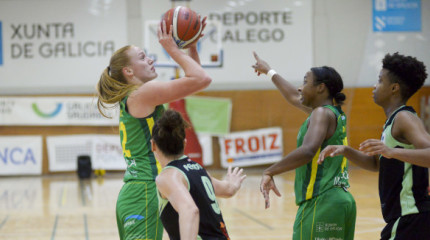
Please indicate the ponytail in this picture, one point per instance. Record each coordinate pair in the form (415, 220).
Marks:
(112, 86)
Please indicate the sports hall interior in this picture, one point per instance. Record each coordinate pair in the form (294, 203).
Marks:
(60, 205)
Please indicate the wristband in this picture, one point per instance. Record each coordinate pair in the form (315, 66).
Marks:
(270, 73)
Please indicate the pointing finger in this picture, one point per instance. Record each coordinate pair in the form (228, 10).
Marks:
(256, 56)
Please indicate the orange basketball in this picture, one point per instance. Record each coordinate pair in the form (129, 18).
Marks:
(186, 25)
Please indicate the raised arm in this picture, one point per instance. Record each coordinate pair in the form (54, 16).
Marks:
(290, 93)
(152, 93)
(230, 184)
(172, 185)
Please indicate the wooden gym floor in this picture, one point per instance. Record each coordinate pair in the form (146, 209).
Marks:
(61, 207)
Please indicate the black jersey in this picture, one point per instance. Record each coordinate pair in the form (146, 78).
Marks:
(402, 186)
(211, 224)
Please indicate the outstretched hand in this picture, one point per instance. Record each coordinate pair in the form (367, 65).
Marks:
(331, 151)
(267, 184)
(235, 177)
(260, 66)
(372, 147)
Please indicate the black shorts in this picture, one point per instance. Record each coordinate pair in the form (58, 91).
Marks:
(409, 227)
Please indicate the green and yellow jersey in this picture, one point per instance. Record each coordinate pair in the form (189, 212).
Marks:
(135, 135)
(313, 179)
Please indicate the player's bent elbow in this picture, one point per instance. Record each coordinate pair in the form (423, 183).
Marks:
(309, 152)
(206, 81)
(202, 82)
(193, 211)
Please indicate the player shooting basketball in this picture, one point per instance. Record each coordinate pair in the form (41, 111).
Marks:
(128, 81)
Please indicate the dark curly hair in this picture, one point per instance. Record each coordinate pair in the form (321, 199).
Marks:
(405, 70)
(168, 133)
(333, 81)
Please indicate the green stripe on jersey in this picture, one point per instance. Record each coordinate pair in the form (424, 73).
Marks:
(407, 199)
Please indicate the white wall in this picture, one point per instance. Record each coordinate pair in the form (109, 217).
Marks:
(342, 38)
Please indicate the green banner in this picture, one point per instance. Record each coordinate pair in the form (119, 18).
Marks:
(209, 115)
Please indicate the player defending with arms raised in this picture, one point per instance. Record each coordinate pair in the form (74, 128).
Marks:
(326, 209)
(128, 81)
(402, 156)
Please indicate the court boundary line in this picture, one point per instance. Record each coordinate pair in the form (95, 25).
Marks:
(253, 219)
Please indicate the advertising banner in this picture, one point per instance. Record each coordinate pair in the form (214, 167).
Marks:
(58, 46)
(280, 31)
(107, 153)
(210, 115)
(50, 111)
(396, 15)
(21, 155)
(250, 148)
(104, 150)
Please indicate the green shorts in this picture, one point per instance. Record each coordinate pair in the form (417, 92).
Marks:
(330, 215)
(137, 213)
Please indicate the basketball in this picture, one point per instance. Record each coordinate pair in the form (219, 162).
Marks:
(186, 25)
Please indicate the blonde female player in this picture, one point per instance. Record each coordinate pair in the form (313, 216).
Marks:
(128, 81)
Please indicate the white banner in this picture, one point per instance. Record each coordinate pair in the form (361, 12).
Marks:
(105, 152)
(249, 148)
(205, 141)
(58, 46)
(280, 31)
(54, 111)
(21, 155)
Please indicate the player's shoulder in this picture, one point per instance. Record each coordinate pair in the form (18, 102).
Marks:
(323, 112)
(168, 174)
(406, 119)
(406, 116)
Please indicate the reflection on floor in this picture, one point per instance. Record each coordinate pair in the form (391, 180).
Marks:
(62, 207)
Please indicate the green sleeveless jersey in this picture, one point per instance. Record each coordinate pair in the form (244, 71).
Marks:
(135, 135)
(313, 179)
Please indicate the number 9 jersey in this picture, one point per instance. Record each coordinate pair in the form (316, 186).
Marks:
(211, 225)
